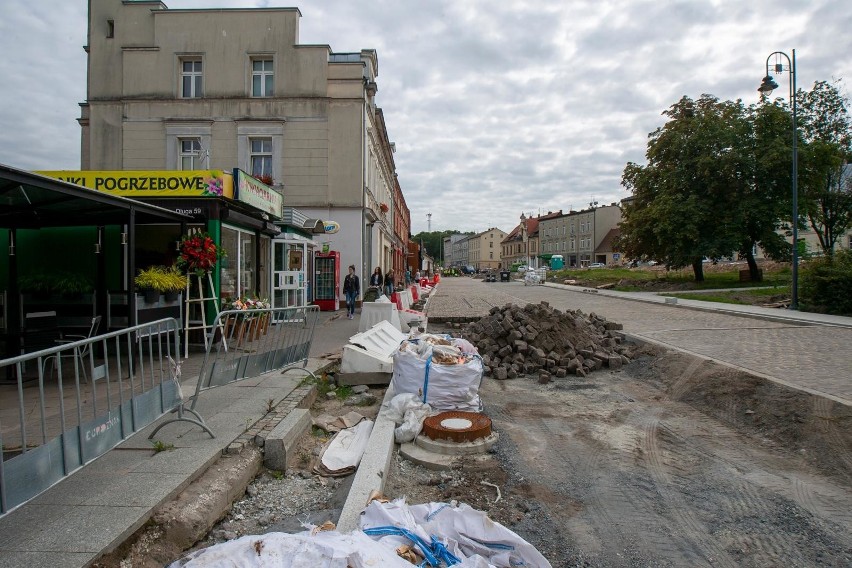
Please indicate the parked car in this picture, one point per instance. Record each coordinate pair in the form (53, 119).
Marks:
(597, 265)
(523, 268)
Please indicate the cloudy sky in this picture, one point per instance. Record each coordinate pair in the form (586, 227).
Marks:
(496, 107)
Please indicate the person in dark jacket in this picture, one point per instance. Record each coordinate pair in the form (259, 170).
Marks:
(351, 289)
(389, 283)
(376, 279)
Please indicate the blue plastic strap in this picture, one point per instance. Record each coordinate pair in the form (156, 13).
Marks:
(424, 547)
(426, 377)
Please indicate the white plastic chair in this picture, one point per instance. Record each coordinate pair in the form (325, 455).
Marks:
(80, 353)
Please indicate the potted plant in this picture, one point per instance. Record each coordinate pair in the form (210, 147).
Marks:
(71, 285)
(152, 281)
(265, 179)
(173, 283)
(39, 285)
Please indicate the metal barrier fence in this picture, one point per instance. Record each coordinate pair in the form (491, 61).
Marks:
(76, 401)
(249, 343)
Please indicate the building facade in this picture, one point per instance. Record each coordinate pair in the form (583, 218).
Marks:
(581, 237)
(485, 250)
(194, 89)
(449, 249)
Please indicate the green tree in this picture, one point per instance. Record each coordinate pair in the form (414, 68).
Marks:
(433, 241)
(825, 184)
(688, 199)
(717, 182)
(764, 199)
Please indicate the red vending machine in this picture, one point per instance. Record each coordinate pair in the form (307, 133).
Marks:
(327, 282)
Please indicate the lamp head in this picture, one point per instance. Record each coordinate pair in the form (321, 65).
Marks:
(767, 86)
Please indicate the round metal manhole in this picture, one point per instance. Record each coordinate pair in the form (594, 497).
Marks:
(457, 426)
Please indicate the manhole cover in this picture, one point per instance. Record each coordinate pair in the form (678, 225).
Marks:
(457, 426)
(456, 423)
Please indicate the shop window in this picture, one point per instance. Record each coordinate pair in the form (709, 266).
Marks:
(190, 78)
(262, 78)
(189, 153)
(261, 157)
(237, 273)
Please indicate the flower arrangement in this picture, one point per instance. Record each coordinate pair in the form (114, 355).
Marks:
(245, 303)
(384, 207)
(265, 178)
(198, 254)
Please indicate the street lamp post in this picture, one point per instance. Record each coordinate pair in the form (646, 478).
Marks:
(766, 87)
(525, 238)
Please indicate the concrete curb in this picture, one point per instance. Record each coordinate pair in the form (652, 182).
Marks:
(372, 470)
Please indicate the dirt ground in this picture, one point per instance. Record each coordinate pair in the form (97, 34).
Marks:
(670, 461)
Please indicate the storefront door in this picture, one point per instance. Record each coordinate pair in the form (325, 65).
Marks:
(289, 287)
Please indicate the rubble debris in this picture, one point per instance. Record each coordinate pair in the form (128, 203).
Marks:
(545, 342)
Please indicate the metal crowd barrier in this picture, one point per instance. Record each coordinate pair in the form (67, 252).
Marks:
(76, 401)
(249, 343)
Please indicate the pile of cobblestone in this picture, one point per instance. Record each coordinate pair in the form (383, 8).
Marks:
(538, 339)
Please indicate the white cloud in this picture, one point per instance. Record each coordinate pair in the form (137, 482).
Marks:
(495, 107)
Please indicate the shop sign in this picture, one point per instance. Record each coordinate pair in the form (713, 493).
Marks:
(151, 183)
(331, 227)
(257, 194)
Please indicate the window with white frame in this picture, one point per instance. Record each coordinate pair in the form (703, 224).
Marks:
(190, 78)
(188, 145)
(262, 78)
(189, 153)
(260, 159)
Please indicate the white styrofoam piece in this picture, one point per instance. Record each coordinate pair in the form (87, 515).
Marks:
(371, 351)
(375, 312)
(356, 360)
(381, 339)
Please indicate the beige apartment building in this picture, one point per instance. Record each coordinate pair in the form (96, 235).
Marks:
(194, 89)
(581, 237)
(484, 249)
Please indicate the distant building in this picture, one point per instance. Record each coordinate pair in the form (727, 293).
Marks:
(581, 237)
(484, 249)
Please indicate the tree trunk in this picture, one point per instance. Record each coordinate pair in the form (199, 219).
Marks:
(698, 269)
(754, 273)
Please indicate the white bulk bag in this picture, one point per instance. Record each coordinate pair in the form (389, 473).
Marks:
(443, 387)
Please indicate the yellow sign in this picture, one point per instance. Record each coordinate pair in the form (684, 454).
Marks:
(145, 183)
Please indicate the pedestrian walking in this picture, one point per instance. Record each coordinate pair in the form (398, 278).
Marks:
(407, 277)
(351, 289)
(389, 283)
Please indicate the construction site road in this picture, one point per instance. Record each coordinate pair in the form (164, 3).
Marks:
(705, 455)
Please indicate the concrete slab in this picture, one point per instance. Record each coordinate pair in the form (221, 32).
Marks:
(280, 442)
(180, 460)
(449, 448)
(427, 459)
(57, 528)
(352, 379)
(28, 559)
(373, 469)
